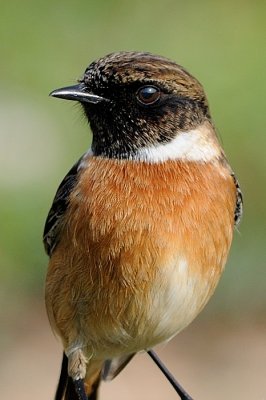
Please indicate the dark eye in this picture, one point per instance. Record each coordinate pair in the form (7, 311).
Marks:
(148, 95)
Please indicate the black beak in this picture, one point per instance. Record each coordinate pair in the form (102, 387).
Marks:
(77, 93)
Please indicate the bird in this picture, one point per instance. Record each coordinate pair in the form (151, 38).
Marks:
(141, 226)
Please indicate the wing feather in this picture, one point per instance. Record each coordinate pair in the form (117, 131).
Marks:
(239, 202)
(59, 206)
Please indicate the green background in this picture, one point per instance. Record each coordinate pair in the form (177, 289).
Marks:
(47, 44)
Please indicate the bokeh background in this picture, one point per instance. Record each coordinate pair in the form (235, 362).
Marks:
(47, 44)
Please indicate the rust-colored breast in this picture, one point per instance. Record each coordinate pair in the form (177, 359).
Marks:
(121, 206)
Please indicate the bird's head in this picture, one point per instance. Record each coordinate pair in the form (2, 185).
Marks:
(137, 101)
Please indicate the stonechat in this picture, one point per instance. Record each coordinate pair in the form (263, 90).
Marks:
(141, 226)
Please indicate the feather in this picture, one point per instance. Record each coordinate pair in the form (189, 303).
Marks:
(113, 367)
(60, 203)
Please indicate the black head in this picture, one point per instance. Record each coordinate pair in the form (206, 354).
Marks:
(134, 100)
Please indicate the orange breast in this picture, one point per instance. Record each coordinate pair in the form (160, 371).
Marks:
(129, 226)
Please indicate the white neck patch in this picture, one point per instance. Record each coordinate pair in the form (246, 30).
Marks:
(198, 144)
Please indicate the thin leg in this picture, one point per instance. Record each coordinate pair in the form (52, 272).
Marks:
(80, 389)
(178, 388)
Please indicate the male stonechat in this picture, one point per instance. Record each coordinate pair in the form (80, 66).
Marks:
(141, 226)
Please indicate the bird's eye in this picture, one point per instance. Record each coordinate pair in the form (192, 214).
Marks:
(148, 95)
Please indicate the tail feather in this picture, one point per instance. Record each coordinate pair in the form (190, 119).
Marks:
(94, 388)
(66, 389)
(112, 368)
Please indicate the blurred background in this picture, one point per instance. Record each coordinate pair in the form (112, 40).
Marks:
(47, 44)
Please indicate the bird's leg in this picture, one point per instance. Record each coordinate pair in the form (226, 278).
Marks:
(77, 371)
(80, 389)
(178, 388)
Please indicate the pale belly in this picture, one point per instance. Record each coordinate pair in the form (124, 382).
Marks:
(129, 321)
